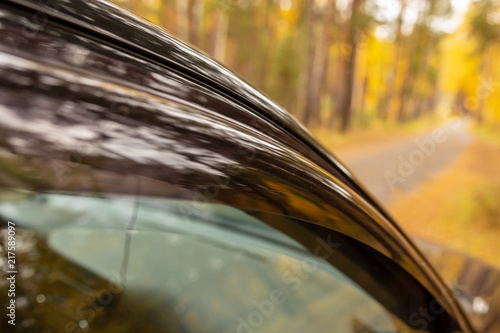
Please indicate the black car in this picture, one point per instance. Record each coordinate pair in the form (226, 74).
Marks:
(146, 188)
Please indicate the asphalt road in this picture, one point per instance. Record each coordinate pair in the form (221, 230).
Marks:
(392, 170)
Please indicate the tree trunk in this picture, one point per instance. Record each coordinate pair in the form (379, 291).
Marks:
(393, 74)
(345, 106)
(484, 88)
(336, 91)
(321, 69)
(251, 39)
(182, 8)
(363, 96)
(196, 19)
(317, 62)
(264, 41)
(167, 16)
(423, 70)
(221, 36)
(212, 39)
(403, 96)
(309, 107)
(350, 67)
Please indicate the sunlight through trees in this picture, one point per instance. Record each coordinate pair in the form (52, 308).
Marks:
(350, 63)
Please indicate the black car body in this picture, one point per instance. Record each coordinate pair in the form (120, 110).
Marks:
(147, 188)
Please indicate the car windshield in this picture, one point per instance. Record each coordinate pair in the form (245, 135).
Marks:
(120, 263)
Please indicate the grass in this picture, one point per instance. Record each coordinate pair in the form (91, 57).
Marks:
(461, 208)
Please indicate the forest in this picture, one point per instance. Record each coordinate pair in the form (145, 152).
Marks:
(341, 64)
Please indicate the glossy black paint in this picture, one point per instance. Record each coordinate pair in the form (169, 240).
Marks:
(108, 22)
(95, 114)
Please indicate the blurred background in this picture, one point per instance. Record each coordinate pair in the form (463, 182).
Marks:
(405, 92)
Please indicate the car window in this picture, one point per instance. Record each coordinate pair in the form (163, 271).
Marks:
(121, 263)
(142, 201)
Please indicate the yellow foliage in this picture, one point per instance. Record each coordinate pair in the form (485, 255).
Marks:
(459, 64)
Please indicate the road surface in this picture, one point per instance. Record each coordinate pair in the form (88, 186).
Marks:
(392, 170)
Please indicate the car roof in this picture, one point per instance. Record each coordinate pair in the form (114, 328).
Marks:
(122, 28)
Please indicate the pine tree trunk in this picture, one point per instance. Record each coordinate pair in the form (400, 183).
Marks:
(322, 64)
(182, 9)
(310, 85)
(197, 7)
(167, 15)
(349, 69)
(221, 36)
(393, 74)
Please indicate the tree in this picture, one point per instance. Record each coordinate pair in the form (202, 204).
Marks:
(167, 17)
(486, 29)
(182, 7)
(392, 75)
(197, 7)
(316, 61)
(353, 27)
(310, 108)
(422, 41)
